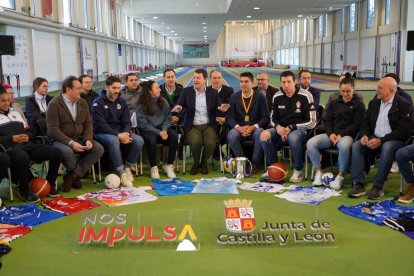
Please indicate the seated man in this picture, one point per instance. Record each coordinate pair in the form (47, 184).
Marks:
(246, 117)
(69, 124)
(130, 93)
(200, 104)
(86, 90)
(305, 80)
(264, 88)
(292, 115)
(385, 128)
(404, 156)
(112, 127)
(16, 137)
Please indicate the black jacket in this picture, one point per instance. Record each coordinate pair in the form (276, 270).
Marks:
(297, 111)
(399, 116)
(177, 93)
(90, 97)
(225, 93)
(270, 92)
(33, 114)
(344, 118)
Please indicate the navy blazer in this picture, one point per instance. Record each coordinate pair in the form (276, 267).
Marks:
(187, 101)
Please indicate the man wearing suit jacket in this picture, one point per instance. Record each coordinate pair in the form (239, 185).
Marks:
(69, 124)
(305, 80)
(264, 87)
(225, 92)
(202, 105)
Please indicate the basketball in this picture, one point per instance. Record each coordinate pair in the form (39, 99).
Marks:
(277, 171)
(40, 187)
(112, 181)
(327, 178)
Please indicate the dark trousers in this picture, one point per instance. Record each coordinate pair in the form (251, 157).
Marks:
(4, 164)
(21, 156)
(151, 140)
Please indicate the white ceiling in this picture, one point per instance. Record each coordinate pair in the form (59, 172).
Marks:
(186, 17)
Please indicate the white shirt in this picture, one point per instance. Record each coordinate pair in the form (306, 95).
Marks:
(382, 126)
(41, 101)
(201, 114)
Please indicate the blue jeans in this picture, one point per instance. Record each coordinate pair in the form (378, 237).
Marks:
(296, 140)
(115, 149)
(321, 142)
(387, 153)
(234, 139)
(404, 156)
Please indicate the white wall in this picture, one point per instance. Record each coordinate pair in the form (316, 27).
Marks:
(351, 57)
(367, 54)
(45, 56)
(69, 55)
(102, 57)
(337, 51)
(89, 55)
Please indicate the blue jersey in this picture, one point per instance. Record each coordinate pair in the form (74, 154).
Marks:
(377, 212)
(27, 215)
(170, 187)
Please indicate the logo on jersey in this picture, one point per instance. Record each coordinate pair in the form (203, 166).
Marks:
(239, 216)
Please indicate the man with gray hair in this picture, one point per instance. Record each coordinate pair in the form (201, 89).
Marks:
(385, 128)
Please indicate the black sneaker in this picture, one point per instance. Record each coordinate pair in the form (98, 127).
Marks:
(357, 190)
(53, 193)
(31, 198)
(375, 193)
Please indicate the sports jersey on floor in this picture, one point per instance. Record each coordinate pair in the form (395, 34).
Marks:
(69, 206)
(27, 215)
(10, 232)
(307, 194)
(221, 185)
(171, 187)
(377, 212)
(120, 196)
(264, 187)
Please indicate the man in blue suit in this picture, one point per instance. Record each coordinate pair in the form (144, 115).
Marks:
(202, 106)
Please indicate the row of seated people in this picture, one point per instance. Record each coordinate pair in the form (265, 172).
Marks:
(201, 110)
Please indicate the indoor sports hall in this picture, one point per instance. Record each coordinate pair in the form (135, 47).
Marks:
(235, 216)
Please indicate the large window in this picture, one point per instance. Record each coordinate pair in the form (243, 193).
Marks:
(353, 18)
(8, 4)
(297, 30)
(322, 22)
(67, 11)
(370, 14)
(305, 30)
(387, 11)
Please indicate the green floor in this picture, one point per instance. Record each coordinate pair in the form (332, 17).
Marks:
(360, 248)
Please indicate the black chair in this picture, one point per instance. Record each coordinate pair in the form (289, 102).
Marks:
(2, 149)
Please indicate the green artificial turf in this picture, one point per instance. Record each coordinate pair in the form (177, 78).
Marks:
(360, 248)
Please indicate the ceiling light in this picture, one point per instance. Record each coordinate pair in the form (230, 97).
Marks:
(196, 4)
(256, 8)
(204, 23)
(173, 31)
(242, 24)
(155, 17)
(175, 34)
(204, 31)
(204, 27)
(249, 16)
(168, 28)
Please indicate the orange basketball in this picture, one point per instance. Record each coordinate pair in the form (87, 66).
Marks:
(277, 171)
(40, 187)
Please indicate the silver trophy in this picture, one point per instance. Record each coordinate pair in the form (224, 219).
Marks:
(241, 167)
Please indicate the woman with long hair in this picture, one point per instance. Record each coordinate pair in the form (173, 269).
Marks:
(154, 124)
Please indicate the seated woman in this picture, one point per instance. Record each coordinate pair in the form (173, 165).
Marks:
(342, 122)
(13, 104)
(154, 124)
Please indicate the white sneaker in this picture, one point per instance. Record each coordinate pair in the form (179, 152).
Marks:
(394, 167)
(125, 181)
(154, 173)
(337, 183)
(317, 181)
(129, 174)
(169, 170)
(265, 175)
(296, 177)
